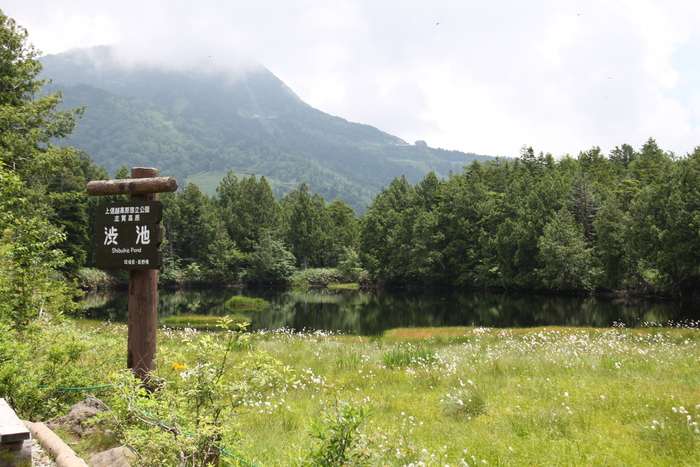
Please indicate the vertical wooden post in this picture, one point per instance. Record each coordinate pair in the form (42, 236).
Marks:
(143, 303)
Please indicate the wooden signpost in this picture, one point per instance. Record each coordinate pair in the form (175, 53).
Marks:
(129, 237)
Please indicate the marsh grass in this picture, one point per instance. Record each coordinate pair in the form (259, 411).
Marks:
(533, 397)
(465, 403)
(238, 301)
(408, 354)
(348, 359)
(200, 321)
(348, 286)
(554, 396)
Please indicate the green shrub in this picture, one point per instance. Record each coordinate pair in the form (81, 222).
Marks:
(269, 263)
(188, 416)
(93, 278)
(350, 266)
(38, 362)
(170, 273)
(194, 274)
(316, 276)
(338, 437)
(30, 284)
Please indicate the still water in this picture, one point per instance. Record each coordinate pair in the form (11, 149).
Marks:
(370, 312)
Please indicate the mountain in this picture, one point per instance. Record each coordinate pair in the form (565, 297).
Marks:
(197, 124)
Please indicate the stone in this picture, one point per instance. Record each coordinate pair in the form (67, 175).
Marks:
(76, 419)
(116, 457)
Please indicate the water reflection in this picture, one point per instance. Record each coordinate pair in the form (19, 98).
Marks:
(370, 312)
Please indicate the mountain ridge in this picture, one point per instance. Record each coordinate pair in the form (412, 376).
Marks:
(189, 122)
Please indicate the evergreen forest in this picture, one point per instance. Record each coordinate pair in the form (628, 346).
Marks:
(627, 221)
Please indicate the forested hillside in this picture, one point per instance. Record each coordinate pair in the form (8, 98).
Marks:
(190, 123)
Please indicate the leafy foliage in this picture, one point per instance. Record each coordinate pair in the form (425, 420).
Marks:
(269, 262)
(568, 260)
(305, 223)
(189, 415)
(30, 286)
(338, 441)
(32, 371)
(316, 276)
(36, 207)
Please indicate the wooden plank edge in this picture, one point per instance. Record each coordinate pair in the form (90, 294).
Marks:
(11, 428)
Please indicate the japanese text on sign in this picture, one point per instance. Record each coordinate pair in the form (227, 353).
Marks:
(129, 235)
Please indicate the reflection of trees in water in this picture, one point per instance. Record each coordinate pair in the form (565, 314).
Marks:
(280, 314)
(324, 295)
(112, 305)
(98, 300)
(313, 308)
(506, 310)
(370, 312)
(211, 302)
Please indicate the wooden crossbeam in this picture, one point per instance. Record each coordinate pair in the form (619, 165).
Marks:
(132, 186)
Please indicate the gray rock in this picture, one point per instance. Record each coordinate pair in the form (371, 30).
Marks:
(116, 457)
(77, 417)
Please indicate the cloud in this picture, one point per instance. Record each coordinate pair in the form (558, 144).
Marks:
(468, 75)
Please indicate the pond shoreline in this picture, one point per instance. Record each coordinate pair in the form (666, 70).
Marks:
(622, 294)
(371, 311)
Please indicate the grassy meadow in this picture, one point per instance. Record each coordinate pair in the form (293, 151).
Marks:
(452, 396)
(496, 397)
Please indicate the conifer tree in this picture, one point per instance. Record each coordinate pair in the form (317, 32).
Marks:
(31, 166)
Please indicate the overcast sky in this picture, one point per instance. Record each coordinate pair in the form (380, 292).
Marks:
(478, 76)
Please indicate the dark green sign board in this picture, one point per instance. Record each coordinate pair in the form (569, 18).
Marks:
(129, 235)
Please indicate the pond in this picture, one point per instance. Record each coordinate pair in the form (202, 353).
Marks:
(370, 312)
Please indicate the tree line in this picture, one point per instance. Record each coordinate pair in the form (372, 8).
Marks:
(244, 233)
(625, 221)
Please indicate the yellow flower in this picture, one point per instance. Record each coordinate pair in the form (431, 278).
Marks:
(177, 366)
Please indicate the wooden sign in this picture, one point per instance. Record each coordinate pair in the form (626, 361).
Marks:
(129, 235)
